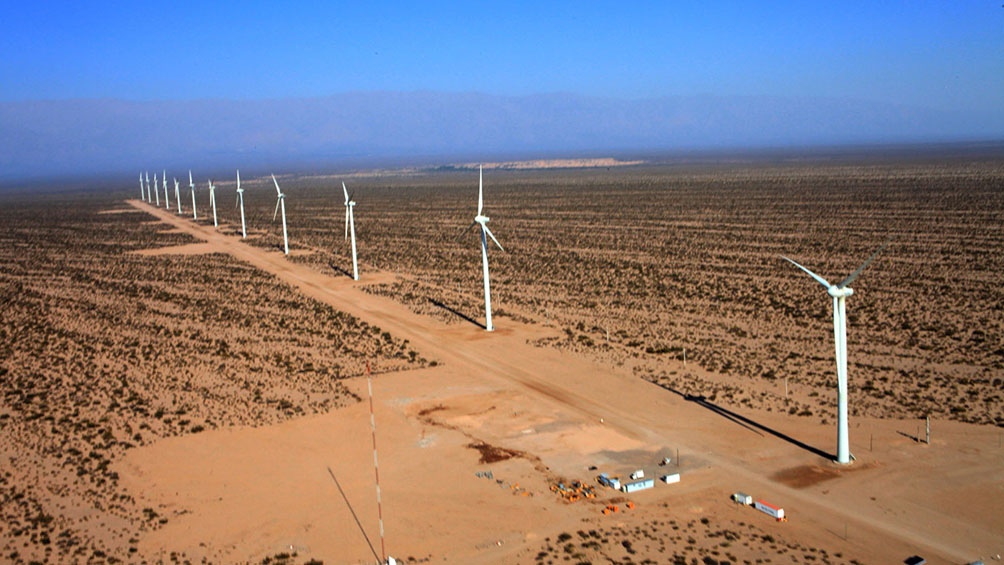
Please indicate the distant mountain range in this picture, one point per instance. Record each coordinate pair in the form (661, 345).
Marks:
(65, 137)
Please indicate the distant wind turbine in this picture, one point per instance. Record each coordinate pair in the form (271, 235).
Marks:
(177, 195)
(350, 228)
(148, 198)
(212, 201)
(167, 201)
(191, 185)
(142, 191)
(156, 189)
(240, 202)
(485, 234)
(840, 292)
(281, 203)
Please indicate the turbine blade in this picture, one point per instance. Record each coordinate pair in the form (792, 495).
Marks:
(346, 191)
(238, 179)
(851, 278)
(190, 182)
(277, 189)
(489, 232)
(277, 202)
(464, 231)
(481, 200)
(821, 280)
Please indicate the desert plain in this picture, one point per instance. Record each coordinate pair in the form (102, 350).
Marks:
(172, 392)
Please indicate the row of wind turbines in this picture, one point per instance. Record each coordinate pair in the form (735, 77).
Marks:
(151, 194)
(839, 292)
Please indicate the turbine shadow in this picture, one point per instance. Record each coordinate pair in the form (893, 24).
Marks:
(456, 313)
(916, 439)
(336, 268)
(748, 423)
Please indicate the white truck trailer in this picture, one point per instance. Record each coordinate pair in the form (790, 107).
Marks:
(767, 508)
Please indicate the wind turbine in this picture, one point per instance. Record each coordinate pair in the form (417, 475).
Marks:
(281, 203)
(483, 220)
(147, 196)
(142, 191)
(156, 189)
(840, 292)
(212, 201)
(240, 201)
(191, 185)
(167, 201)
(350, 227)
(177, 195)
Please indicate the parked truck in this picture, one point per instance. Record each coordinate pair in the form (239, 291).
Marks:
(608, 481)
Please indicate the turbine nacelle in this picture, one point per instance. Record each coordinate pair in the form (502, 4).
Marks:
(481, 219)
(840, 292)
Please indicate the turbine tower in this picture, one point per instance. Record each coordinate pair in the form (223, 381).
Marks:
(147, 197)
(350, 228)
(240, 202)
(142, 191)
(485, 234)
(281, 203)
(191, 185)
(177, 195)
(840, 292)
(156, 189)
(167, 201)
(212, 201)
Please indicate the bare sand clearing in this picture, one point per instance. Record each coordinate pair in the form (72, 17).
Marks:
(246, 494)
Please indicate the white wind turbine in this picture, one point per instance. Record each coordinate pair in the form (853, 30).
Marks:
(147, 197)
(156, 189)
(167, 201)
(350, 228)
(142, 191)
(840, 292)
(281, 203)
(485, 234)
(191, 185)
(212, 201)
(240, 202)
(177, 195)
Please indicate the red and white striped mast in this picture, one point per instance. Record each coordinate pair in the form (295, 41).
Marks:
(376, 465)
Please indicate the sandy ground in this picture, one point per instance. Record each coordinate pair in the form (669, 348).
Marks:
(245, 494)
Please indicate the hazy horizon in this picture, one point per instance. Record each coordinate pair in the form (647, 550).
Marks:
(104, 88)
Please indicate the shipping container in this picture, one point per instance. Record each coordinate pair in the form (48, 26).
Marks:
(670, 479)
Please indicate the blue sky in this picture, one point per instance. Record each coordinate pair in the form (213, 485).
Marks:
(942, 55)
